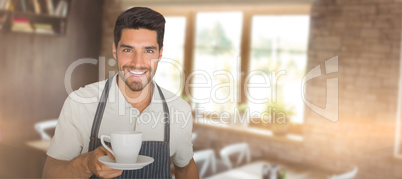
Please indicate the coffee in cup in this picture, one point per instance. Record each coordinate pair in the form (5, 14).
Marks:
(126, 145)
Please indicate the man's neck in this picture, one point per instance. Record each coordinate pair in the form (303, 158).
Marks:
(138, 99)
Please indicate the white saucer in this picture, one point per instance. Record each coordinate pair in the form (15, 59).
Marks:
(142, 161)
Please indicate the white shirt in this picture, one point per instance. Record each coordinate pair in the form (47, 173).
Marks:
(74, 125)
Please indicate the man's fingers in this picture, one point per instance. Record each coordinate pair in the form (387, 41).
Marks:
(107, 172)
(98, 167)
(110, 155)
(105, 151)
(102, 170)
(113, 174)
(107, 168)
(110, 174)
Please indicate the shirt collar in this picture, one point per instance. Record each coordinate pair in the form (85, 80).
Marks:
(123, 103)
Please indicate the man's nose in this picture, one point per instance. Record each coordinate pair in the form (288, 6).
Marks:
(138, 60)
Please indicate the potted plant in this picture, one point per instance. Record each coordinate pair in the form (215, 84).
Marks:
(276, 117)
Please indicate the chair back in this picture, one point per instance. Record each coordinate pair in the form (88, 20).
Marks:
(41, 126)
(208, 158)
(347, 175)
(242, 149)
(193, 137)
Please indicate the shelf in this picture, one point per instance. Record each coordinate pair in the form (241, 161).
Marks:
(31, 14)
(33, 33)
(30, 17)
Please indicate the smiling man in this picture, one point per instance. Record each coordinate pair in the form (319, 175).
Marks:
(130, 101)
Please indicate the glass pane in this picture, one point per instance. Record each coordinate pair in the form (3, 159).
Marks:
(278, 62)
(169, 74)
(216, 62)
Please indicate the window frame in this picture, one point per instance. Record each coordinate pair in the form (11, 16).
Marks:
(190, 12)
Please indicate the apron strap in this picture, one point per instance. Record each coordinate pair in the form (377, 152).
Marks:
(166, 115)
(99, 114)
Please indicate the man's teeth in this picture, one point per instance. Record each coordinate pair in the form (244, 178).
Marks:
(137, 72)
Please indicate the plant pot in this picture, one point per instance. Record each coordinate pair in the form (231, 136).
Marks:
(280, 129)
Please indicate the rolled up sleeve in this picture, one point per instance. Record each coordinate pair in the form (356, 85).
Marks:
(66, 143)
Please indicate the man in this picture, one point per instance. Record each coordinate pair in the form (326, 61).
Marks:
(129, 101)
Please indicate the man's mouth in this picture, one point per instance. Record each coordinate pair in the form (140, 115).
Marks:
(137, 73)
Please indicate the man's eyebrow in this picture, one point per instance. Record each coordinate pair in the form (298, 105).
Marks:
(151, 48)
(126, 46)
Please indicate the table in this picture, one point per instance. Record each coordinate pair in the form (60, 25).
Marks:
(42, 145)
(254, 171)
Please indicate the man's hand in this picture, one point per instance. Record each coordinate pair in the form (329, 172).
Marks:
(98, 168)
(82, 166)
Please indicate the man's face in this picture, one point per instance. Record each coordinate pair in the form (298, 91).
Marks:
(137, 56)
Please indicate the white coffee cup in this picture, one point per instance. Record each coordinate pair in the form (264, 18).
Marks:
(126, 145)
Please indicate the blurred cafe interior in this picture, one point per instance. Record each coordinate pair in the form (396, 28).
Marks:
(300, 88)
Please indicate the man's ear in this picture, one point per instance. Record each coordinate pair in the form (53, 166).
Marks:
(160, 54)
(114, 51)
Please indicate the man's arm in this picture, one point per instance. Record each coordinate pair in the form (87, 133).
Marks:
(188, 171)
(82, 166)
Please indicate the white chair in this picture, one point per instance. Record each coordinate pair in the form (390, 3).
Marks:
(41, 126)
(193, 137)
(207, 157)
(347, 175)
(242, 149)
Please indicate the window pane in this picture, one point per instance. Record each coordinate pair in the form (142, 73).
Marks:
(169, 74)
(216, 62)
(278, 53)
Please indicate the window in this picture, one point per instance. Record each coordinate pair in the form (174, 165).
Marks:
(278, 60)
(398, 125)
(276, 49)
(170, 69)
(216, 63)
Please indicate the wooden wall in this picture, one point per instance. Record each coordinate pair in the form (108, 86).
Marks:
(32, 71)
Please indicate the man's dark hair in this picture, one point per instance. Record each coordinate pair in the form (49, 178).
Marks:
(140, 18)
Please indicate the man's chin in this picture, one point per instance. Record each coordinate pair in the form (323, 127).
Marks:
(134, 85)
(137, 86)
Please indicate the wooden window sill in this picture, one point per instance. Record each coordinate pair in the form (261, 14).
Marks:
(264, 133)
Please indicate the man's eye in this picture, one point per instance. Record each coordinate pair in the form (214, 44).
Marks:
(126, 50)
(149, 51)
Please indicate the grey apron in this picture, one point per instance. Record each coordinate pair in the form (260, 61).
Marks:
(159, 150)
